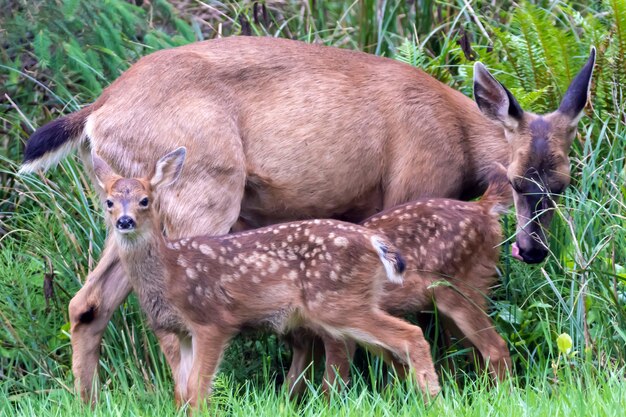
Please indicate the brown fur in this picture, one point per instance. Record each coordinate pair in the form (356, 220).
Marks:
(280, 130)
(323, 275)
(451, 248)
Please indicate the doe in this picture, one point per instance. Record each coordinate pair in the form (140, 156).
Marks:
(451, 249)
(323, 275)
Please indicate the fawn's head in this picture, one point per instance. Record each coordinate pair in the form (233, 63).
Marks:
(128, 201)
(539, 166)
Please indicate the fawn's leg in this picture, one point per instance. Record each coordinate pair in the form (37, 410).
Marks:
(208, 344)
(183, 371)
(403, 340)
(301, 341)
(473, 323)
(339, 354)
(90, 310)
(306, 352)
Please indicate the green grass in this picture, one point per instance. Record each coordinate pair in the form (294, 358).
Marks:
(51, 226)
(586, 392)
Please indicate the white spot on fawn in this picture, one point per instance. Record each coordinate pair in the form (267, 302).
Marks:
(182, 261)
(340, 241)
(191, 273)
(273, 268)
(206, 250)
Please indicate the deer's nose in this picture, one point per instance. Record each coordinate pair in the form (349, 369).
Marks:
(125, 223)
(533, 255)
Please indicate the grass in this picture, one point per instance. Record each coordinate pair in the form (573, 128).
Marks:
(51, 230)
(588, 392)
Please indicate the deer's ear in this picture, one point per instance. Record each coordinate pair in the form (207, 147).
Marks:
(494, 100)
(168, 168)
(577, 93)
(103, 171)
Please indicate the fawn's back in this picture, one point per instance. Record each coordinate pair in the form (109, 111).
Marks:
(275, 275)
(444, 240)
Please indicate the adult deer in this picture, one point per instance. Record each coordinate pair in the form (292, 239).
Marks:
(281, 130)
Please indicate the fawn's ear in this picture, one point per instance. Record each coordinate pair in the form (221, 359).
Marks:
(103, 171)
(168, 168)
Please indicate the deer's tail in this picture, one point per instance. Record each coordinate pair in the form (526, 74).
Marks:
(54, 141)
(390, 257)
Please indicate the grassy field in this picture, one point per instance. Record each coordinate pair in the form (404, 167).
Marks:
(58, 55)
(580, 392)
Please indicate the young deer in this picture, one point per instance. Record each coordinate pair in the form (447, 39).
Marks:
(322, 275)
(443, 241)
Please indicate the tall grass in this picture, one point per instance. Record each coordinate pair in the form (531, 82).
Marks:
(55, 59)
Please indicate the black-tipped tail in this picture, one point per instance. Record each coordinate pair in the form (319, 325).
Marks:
(53, 141)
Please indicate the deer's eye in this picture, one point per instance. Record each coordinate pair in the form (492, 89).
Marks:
(144, 202)
(109, 203)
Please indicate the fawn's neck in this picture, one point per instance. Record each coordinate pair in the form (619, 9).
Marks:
(143, 258)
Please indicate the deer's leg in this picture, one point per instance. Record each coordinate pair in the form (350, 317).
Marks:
(301, 341)
(171, 347)
(339, 353)
(183, 370)
(208, 344)
(473, 323)
(403, 340)
(306, 352)
(90, 310)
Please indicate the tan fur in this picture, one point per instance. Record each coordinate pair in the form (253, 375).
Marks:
(280, 130)
(323, 275)
(451, 248)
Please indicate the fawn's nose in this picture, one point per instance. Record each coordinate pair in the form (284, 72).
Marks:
(125, 223)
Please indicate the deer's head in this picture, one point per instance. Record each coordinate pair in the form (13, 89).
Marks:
(129, 200)
(539, 168)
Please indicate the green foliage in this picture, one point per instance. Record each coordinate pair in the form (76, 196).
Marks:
(571, 394)
(57, 55)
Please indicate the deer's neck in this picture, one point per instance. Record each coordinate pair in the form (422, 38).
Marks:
(143, 258)
(486, 145)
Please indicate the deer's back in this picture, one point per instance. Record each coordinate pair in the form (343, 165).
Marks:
(445, 243)
(319, 130)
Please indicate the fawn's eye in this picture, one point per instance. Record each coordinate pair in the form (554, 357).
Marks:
(109, 203)
(144, 202)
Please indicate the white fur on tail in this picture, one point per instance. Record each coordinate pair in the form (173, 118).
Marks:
(51, 159)
(389, 262)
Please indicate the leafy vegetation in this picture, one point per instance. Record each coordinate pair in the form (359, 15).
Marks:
(59, 54)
